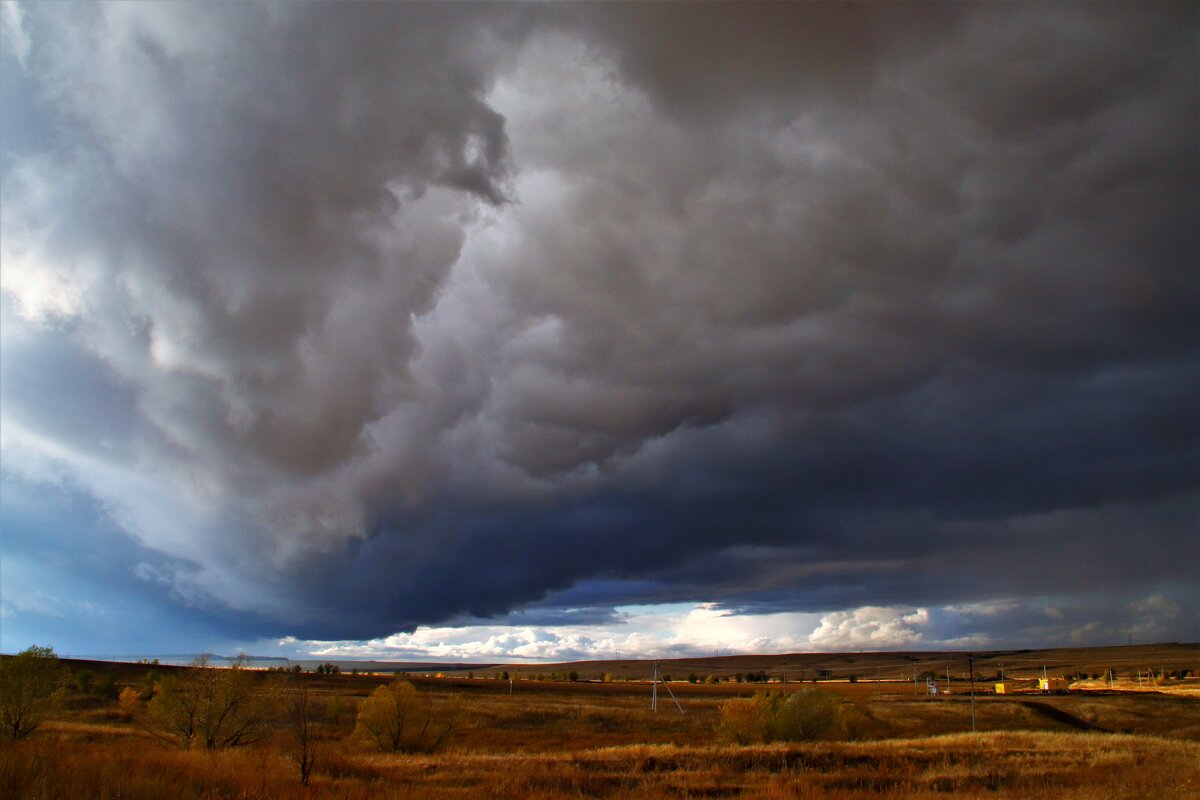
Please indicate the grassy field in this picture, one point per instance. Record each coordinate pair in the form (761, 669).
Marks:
(552, 739)
(997, 765)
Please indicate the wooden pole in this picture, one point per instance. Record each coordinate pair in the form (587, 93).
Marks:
(971, 669)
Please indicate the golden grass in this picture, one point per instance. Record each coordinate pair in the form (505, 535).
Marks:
(557, 740)
(996, 765)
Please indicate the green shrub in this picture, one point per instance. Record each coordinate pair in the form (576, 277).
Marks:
(108, 687)
(83, 680)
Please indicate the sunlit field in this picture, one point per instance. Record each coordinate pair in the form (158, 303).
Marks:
(528, 738)
(1016, 765)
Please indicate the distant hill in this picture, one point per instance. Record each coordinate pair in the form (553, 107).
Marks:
(1126, 660)
(891, 665)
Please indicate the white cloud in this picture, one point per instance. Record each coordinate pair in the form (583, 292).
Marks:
(647, 633)
(34, 602)
(12, 30)
(871, 627)
(651, 632)
(44, 286)
(150, 574)
(45, 604)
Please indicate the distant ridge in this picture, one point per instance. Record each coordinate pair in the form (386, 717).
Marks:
(866, 665)
(179, 659)
(260, 662)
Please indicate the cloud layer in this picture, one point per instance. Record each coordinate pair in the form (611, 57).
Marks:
(364, 318)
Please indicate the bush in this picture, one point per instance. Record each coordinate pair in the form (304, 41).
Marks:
(808, 714)
(214, 707)
(131, 701)
(397, 718)
(746, 720)
(31, 690)
(108, 688)
(83, 680)
(148, 682)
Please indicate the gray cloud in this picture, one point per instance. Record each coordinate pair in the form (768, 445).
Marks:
(418, 311)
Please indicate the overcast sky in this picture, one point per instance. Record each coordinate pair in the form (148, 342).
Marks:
(567, 331)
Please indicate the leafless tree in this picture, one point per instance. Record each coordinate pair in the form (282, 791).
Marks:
(215, 707)
(302, 712)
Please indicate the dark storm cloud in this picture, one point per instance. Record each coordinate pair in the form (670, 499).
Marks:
(422, 312)
(709, 63)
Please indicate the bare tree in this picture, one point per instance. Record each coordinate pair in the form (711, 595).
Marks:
(210, 706)
(302, 711)
(31, 690)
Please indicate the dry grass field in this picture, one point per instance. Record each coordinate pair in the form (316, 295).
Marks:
(555, 739)
(996, 765)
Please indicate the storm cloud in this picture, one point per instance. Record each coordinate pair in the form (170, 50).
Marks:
(355, 318)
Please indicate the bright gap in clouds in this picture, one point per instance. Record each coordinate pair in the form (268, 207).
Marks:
(658, 631)
(680, 630)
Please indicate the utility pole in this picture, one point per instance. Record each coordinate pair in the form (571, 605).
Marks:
(654, 691)
(971, 669)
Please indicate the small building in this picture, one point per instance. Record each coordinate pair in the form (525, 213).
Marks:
(1052, 684)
